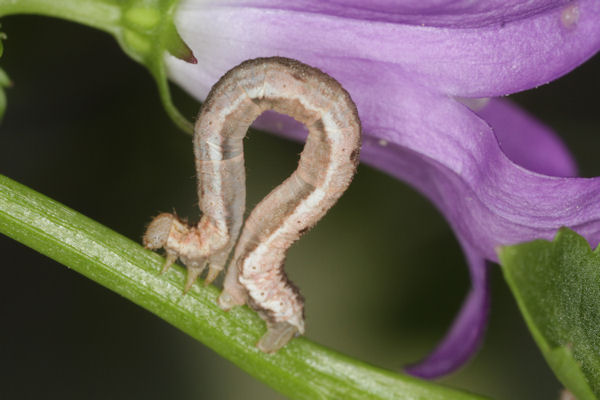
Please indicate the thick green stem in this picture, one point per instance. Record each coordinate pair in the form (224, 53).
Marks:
(301, 370)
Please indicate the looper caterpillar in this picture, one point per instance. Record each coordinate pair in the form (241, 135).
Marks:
(327, 164)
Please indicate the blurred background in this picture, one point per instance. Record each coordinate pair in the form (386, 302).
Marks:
(382, 274)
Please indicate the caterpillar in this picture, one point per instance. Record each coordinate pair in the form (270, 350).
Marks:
(328, 162)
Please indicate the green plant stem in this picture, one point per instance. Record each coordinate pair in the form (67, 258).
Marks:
(100, 14)
(301, 370)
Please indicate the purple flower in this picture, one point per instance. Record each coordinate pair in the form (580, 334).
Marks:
(418, 71)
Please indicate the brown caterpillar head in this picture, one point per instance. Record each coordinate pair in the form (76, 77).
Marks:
(158, 231)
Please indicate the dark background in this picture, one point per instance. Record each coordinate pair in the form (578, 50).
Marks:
(383, 273)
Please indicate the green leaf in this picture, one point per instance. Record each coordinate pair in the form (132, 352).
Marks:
(301, 370)
(557, 287)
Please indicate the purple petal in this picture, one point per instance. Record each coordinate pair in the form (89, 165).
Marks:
(511, 125)
(452, 155)
(400, 63)
(526, 141)
(466, 334)
(461, 48)
(456, 161)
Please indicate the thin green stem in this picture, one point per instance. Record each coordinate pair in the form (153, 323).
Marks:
(301, 370)
(100, 14)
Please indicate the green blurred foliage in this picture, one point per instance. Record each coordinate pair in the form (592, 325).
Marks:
(382, 273)
(557, 287)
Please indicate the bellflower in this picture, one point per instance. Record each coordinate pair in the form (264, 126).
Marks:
(421, 73)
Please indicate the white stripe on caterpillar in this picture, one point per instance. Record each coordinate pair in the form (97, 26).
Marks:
(327, 164)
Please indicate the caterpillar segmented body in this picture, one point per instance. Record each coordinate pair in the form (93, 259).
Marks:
(327, 165)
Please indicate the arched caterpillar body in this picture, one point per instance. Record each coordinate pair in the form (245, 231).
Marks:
(327, 165)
